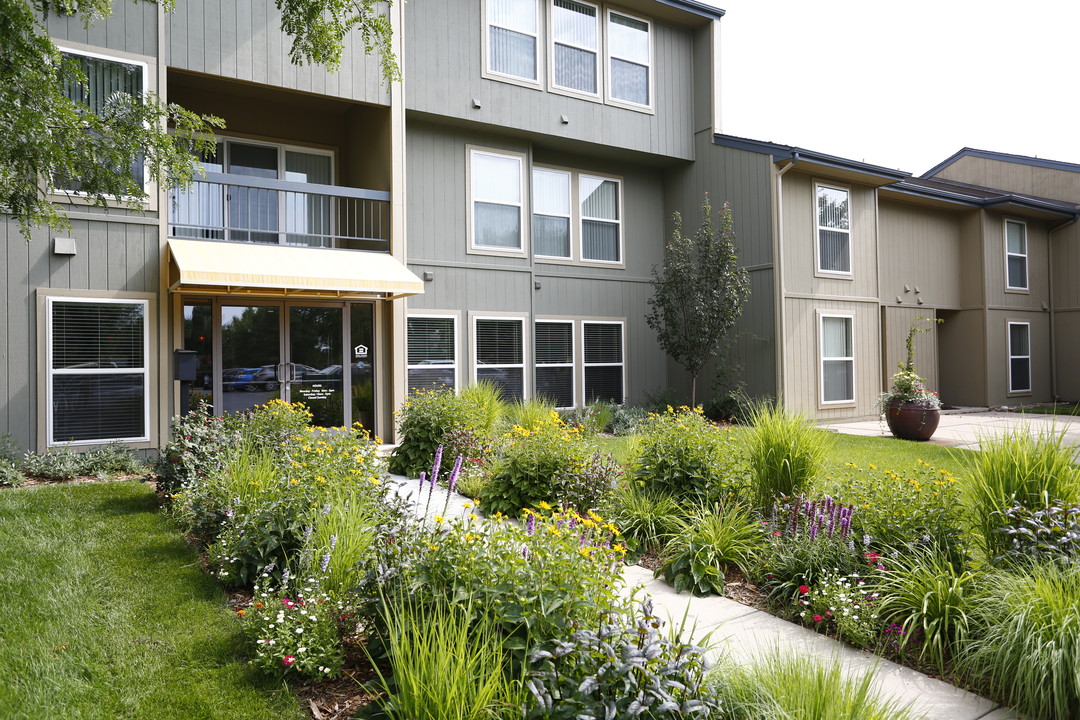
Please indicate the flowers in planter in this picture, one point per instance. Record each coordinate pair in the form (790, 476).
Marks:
(907, 385)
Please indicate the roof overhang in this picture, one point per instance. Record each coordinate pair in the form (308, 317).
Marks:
(817, 163)
(207, 267)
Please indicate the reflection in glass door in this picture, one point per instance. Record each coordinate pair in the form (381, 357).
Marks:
(250, 356)
(315, 354)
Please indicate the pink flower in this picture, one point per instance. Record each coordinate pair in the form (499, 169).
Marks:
(288, 660)
(288, 603)
(818, 618)
(803, 589)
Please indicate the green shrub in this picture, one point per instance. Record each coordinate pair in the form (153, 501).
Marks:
(919, 506)
(1045, 534)
(200, 445)
(1025, 641)
(931, 598)
(274, 426)
(429, 416)
(526, 413)
(63, 464)
(782, 686)
(484, 400)
(705, 544)
(446, 665)
(645, 517)
(59, 464)
(1020, 467)
(681, 453)
(112, 459)
(548, 462)
(625, 668)
(785, 453)
(9, 449)
(10, 474)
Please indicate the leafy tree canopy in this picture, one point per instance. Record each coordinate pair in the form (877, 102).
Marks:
(699, 292)
(50, 138)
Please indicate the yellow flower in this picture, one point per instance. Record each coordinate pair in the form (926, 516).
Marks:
(467, 503)
(375, 481)
(439, 518)
(873, 466)
(617, 548)
(543, 505)
(294, 481)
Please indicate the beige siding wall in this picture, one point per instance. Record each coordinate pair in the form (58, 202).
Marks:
(920, 256)
(962, 360)
(802, 361)
(1038, 291)
(998, 357)
(1067, 338)
(896, 322)
(973, 252)
(1017, 177)
(800, 240)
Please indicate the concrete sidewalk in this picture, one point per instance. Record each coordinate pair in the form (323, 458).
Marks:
(965, 428)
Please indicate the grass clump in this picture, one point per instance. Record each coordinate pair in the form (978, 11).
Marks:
(785, 453)
(780, 686)
(645, 517)
(1026, 648)
(705, 544)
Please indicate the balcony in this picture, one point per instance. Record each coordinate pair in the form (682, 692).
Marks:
(242, 208)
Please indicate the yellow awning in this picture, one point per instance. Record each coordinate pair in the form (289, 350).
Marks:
(283, 271)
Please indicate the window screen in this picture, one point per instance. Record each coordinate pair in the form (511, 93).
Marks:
(603, 361)
(1019, 357)
(837, 360)
(432, 359)
(554, 346)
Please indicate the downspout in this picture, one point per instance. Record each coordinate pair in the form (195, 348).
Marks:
(778, 271)
(1050, 285)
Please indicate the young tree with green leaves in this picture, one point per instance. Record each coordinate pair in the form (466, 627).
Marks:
(699, 293)
(52, 137)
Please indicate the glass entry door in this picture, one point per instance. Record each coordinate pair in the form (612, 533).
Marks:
(313, 372)
(251, 361)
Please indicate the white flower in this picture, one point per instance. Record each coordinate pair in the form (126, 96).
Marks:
(300, 650)
(299, 630)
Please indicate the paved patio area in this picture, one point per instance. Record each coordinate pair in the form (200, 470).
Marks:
(964, 428)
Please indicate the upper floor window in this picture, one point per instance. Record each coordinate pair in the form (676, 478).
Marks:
(574, 36)
(551, 213)
(599, 219)
(512, 38)
(496, 201)
(833, 229)
(629, 59)
(589, 226)
(1016, 255)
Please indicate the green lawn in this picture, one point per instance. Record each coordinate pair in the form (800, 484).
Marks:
(105, 613)
(1062, 409)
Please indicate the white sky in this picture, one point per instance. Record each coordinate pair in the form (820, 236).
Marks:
(904, 84)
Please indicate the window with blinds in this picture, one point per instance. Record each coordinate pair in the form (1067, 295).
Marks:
(600, 223)
(1019, 357)
(574, 37)
(554, 349)
(512, 38)
(1016, 255)
(833, 229)
(500, 354)
(837, 359)
(104, 79)
(432, 356)
(629, 59)
(98, 371)
(496, 190)
(603, 361)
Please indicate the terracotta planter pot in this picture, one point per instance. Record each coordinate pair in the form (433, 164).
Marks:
(912, 421)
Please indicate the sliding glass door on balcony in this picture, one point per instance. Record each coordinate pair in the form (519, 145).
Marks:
(272, 200)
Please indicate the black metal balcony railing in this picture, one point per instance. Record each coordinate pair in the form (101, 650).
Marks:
(242, 208)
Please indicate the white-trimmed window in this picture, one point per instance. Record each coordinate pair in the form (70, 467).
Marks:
(1019, 357)
(97, 354)
(1016, 255)
(603, 361)
(629, 45)
(601, 237)
(105, 76)
(553, 345)
(837, 359)
(499, 345)
(432, 356)
(575, 42)
(512, 38)
(496, 182)
(833, 229)
(551, 213)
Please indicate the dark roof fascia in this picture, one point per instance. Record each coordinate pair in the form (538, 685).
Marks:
(780, 153)
(956, 198)
(1004, 157)
(996, 201)
(698, 8)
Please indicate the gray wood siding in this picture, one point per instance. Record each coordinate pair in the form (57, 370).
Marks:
(443, 61)
(132, 28)
(241, 39)
(1067, 348)
(800, 239)
(1038, 264)
(802, 369)
(962, 368)
(1065, 264)
(997, 353)
(920, 248)
(111, 256)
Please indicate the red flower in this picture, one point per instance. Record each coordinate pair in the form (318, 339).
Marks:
(288, 660)
(818, 618)
(803, 589)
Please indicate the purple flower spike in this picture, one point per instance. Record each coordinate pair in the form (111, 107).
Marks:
(813, 530)
(435, 466)
(325, 562)
(525, 551)
(455, 472)
(423, 479)
(530, 526)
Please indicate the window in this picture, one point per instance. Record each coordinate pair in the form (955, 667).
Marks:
(511, 40)
(105, 76)
(833, 230)
(574, 37)
(629, 59)
(551, 213)
(98, 370)
(496, 201)
(432, 360)
(599, 219)
(603, 361)
(837, 359)
(1016, 259)
(1019, 357)
(500, 354)
(554, 343)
